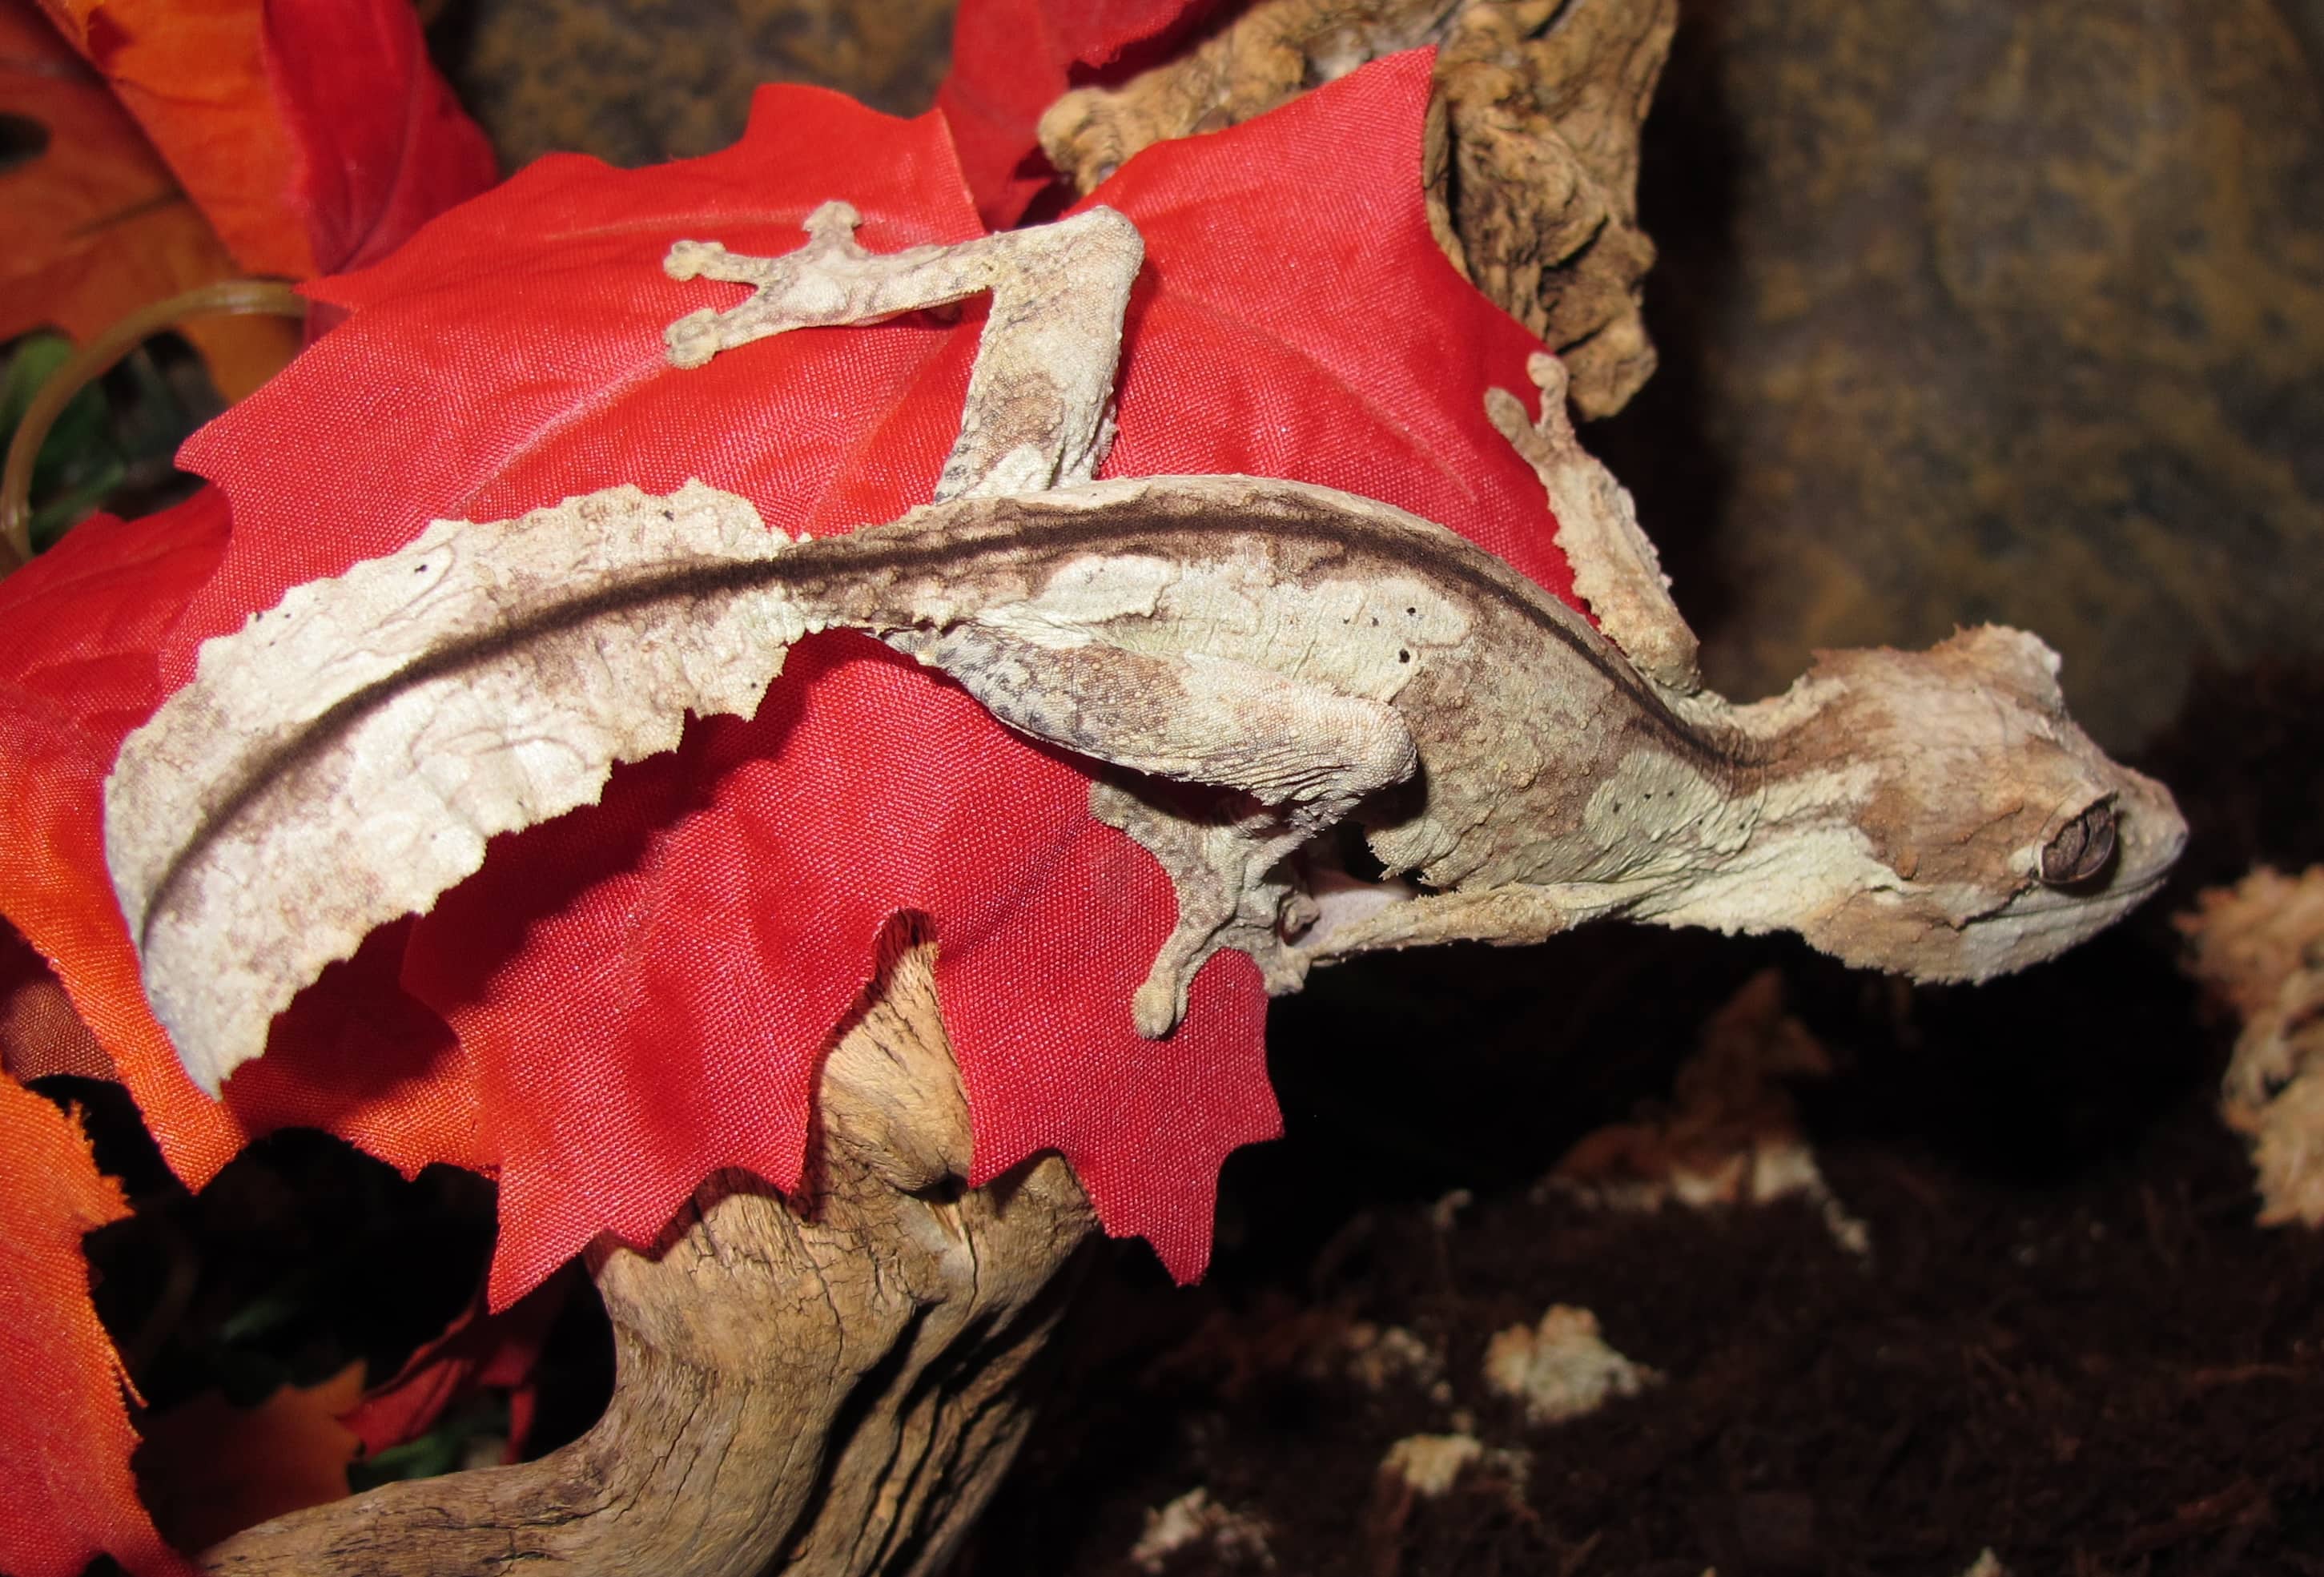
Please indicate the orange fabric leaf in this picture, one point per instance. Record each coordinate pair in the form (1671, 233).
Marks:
(66, 1493)
(313, 133)
(99, 224)
(209, 1469)
(193, 73)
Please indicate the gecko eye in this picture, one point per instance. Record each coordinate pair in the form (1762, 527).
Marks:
(2080, 849)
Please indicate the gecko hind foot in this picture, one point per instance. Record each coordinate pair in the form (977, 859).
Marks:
(1230, 876)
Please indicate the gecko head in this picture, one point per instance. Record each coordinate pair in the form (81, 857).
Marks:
(1995, 833)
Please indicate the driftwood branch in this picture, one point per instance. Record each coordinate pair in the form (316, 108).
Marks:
(1532, 163)
(828, 1389)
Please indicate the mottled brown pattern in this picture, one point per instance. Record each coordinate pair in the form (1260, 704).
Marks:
(1978, 311)
(635, 81)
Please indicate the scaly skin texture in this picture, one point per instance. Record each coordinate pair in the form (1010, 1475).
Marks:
(1256, 661)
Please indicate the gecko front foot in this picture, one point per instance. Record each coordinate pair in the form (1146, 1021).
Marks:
(1041, 390)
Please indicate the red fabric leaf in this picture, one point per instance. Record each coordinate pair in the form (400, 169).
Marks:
(718, 909)
(79, 629)
(67, 1494)
(1011, 59)
(1296, 318)
(636, 994)
(383, 147)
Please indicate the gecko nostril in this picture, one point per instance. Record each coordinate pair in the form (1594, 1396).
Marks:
(2081, 849)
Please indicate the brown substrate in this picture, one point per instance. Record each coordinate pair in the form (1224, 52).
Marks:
(2068, 1343)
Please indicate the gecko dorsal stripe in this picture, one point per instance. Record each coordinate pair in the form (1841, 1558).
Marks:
(1153, 513)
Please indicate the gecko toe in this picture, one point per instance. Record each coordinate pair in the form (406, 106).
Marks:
(1160, 1003)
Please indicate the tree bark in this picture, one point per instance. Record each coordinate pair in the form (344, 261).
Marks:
(828, 1387)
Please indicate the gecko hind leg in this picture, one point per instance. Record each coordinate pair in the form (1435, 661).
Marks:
(1291, 758)
(1228, 859)
(1615, 567)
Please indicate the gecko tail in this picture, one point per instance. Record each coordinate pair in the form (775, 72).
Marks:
(342, 760)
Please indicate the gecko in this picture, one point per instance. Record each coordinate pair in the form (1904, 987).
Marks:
(1338, 727)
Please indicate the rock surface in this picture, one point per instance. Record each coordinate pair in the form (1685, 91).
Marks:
(638, 81)
(1988, 312)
